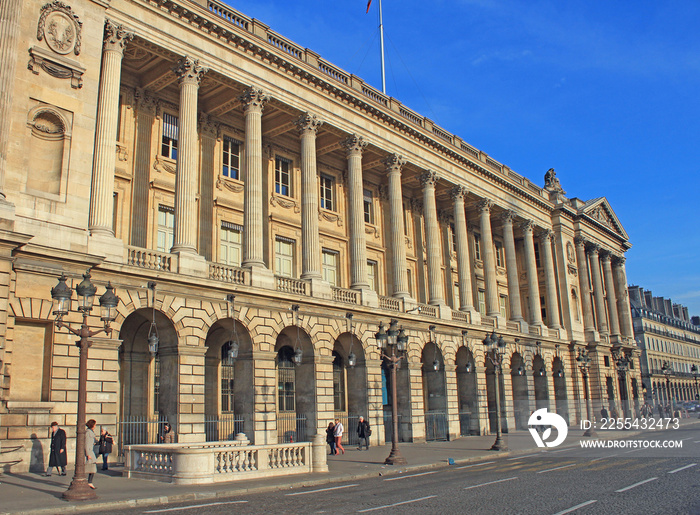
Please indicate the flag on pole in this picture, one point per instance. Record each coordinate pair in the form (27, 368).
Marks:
(369, 2)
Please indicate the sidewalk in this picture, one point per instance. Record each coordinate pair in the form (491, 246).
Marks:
(36, 494)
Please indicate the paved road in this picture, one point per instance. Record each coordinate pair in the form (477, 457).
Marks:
(620, 480)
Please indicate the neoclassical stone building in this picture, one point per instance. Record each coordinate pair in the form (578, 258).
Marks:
(184, 144)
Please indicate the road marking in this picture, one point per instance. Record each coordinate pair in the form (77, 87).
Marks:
(603, 458)
(476, 465)
(521, 457)
(195, 506)
(636, 485)
(490, 483)
(412, 475)
(397, 504)
(556, 468)
(696, 441)
(323, 489)
(633, 450)
(561, 450)
(683, 468)
(574, 508)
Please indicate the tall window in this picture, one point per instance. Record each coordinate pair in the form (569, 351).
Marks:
(282, 177)
(452, 238)
(230, 244)
(543, 304)
(327, 186)
(330, 266)
(286, 379)
(230, 158)
(119, 118)
(455, 295)
(338, 383)
(166, 228)
(502, 305)
(537, 255)
(226, 379)
(482, 302)
(410, 282)
(500, 261)
(372, 275)
(477, 246)
(284, 256)
(169, 144)
(368, 203)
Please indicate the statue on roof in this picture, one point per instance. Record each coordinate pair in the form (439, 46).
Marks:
(551, 183)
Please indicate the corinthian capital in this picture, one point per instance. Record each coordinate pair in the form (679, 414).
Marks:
(508, 216)
(619, 261)
(527, 226)
(545, 235)
(308, 123)
(253, 98)
(458, 193)
(580, 241)
(354, 144)
(484, 205)
(145, 101)
(189, 71)
(394, 163)
(116, 37)
(429, 179)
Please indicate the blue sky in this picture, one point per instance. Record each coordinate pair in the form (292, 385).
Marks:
(607, 93)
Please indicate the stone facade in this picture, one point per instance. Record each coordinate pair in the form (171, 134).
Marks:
(214, 157)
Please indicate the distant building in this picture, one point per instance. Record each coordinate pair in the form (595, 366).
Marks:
(667, 336)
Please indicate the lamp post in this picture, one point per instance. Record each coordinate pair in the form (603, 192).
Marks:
(694, 371)
(61, 295)
(622, 362)
(396, 339)
(584, 362)
(667, 370)
(495, 351)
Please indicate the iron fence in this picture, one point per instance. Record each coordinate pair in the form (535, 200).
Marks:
(138, 430)
(222, 427)
(388, 428)
(465, 424)
(435, 426)
(291, 427)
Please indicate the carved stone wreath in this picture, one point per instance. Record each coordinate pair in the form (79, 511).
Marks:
(60, 27)
(330, 217)
(285, 202)
(230, 185)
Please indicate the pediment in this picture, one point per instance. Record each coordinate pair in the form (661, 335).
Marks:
(599, 211)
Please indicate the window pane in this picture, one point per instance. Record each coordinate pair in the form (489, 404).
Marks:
(330, 267)
(327, 192)
(369, 214)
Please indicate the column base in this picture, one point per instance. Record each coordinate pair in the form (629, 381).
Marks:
(189, 263)
(107, 245)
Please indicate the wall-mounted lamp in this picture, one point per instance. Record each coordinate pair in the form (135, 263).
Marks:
(153, 339)
(352, 359)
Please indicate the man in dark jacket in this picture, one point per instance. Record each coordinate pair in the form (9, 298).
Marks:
(58, 457)
(363, 433)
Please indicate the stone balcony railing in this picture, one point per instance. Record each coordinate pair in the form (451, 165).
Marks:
(291, 285)
(150, 259)
(390, 303)
(345, 295)
(215, 462)
(229, 274)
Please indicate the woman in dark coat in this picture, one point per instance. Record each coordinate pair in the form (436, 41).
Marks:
(59, 456)
(330, 437)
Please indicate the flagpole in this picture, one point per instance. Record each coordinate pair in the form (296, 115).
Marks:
(381, 43)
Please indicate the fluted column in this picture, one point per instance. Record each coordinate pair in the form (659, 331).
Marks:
(354, 145)
(101, 199)
(393, 164)
(10, 18)
(189, 74)
(531, 271)
(588, 321)
(432, 235)
(308, 125)
(253, 100)
(598, 297)
(614, 321)
(622, 294)
(550, 282)
(464, 272)
(145, 116)
(516, 312)
(487, 252)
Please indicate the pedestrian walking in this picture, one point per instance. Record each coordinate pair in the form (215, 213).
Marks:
(363, 433)
(330, 437)
(90, 459)
(661, 410)
(58, 457)
(168, 434)
(338, 433)
(603, 412)
(106, 443)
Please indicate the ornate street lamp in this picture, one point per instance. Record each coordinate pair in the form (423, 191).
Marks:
(622, 362)
(298, 353)
(61, 295)
(495, 351)
(233, 345)
(153, 339)
(667, 370)
(395, 338)
(694, 371)
(584, 361)
(352, 359)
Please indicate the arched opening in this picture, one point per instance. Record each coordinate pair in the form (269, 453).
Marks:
(296, 386)
(467, 393)
(349, 384)
(434, 393)
(539, 371)
(149, 385)
(560, 398)
(521, 402)
(228, 386)
(491, 398)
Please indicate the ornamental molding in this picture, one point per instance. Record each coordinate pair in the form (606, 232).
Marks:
(116, 37)
(253, 98)
(308, 123)
(458, 193)
(570, 254)
(394, 162)
(164, 165)
(429, 179)
(189, 71)
(122, 153)
(231, 185)
(354, 144)
(372, 229)
(57, 66)
(330, 216)
(572, 270)
(284, 202)
(60, 27)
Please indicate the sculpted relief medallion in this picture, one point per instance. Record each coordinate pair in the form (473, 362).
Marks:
(60, 28)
